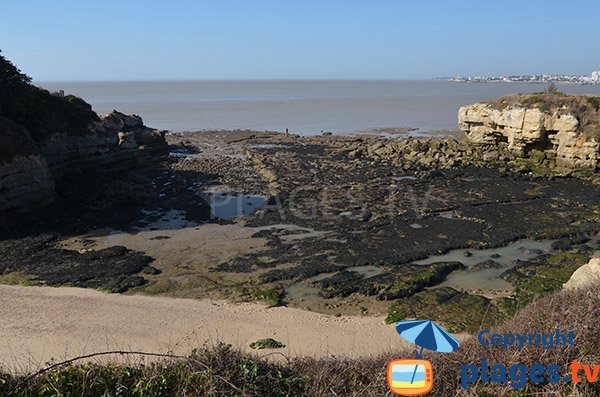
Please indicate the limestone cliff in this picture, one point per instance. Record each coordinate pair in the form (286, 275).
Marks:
(31, 170)
(116, 143)
(556, 130)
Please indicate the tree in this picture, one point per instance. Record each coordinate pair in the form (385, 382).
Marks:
(12, 82)
(552, 88)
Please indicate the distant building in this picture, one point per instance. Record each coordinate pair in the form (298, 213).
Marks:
(534, 78)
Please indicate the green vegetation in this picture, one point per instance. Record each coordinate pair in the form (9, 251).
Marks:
(267, 343)
(18, 278)
(454, 310)
(542, 277)
(13, 83)
(159, 287)
(460, 311)
(594, 101)
(274, 296)
(412, 279)
(29, 114)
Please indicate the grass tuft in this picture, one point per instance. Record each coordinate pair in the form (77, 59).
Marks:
(273, 296)
(267, 343)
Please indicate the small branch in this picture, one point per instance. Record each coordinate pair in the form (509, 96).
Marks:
(123, 352)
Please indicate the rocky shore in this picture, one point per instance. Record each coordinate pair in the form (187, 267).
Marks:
(336, 224)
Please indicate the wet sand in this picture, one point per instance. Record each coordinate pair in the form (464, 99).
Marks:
(44, 323)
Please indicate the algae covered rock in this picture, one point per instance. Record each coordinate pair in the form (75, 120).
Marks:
(455, 310)
(267, 343)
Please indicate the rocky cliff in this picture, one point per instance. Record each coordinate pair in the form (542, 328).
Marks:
(116, 143)
(30, 172)
(555, 130)
(46, 139)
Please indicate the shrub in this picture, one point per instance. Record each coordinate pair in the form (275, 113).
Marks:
(552, 89)
(594, 101)
(29, 114)
(274, 296)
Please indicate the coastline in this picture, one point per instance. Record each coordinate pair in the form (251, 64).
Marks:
(283, 240)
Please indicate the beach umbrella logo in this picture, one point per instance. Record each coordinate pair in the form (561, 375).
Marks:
(414, 377)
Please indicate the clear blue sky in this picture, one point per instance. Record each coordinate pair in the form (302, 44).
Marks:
(63, 40)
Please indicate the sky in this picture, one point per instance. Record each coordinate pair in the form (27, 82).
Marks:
(64, 40)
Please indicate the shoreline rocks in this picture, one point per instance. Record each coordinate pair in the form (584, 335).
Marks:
(552, 129)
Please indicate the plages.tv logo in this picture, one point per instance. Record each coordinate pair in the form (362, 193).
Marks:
(414, 377)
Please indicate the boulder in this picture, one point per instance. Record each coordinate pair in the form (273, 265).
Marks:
(117, 121)
(587, 275)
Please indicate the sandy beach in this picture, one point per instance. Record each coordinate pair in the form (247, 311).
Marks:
(44, 323)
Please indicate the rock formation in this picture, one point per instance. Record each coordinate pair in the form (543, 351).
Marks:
(586, 275)
(116, 143)
(553, 129)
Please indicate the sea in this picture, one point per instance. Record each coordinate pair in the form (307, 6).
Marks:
(305, 107)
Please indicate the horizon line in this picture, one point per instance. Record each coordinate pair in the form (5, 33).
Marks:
(36, 81)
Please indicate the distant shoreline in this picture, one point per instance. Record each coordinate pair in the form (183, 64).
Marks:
(520, 82)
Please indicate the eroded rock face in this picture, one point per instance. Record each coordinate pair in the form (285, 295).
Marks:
(25, 182)
(550, 134)
(587, 275)
(119, 142)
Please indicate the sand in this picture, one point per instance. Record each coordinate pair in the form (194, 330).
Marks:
(43, 323)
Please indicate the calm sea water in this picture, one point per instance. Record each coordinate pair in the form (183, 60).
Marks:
(305, 107)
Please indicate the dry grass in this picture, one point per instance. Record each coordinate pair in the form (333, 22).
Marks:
(222, 371)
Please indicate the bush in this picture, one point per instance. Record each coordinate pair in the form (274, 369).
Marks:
(273, 296)
(44, 114)
(594, 101)
(29, 114)
(552, 89)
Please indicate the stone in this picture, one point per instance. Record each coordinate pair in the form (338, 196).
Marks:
(491, 156)
(119, 143)
(539, 131)
(118, 121)
(586, 276)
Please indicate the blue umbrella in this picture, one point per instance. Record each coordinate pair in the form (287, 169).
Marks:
(427, 335)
